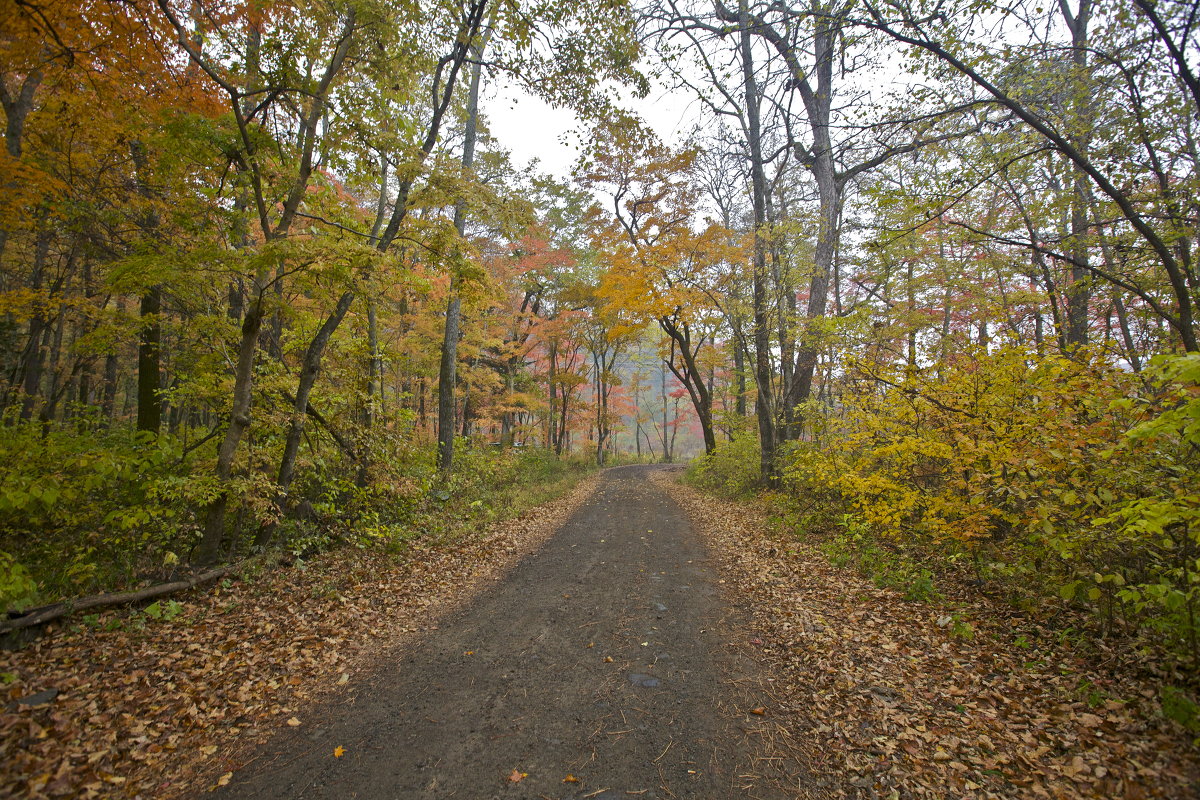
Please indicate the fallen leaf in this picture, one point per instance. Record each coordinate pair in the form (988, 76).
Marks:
(293, 722)
(760, 711)
(608, 659)
(286, 654)
(339, 751)
(225, 779)
(570, 779)
(517, 777)
(208, 750)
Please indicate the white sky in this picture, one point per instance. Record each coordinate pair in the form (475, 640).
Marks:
(531, 128)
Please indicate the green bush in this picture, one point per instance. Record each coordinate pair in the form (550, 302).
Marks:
(487, 483)
(86, 508)
(1179, 707)
(733, 470)
(18, 591)
(82, 510)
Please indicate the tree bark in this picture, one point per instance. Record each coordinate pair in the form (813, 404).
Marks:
(691, 378)
(40, 616)
(1079, 293)
(31, 383)
(448, 368)
(374, 368)
(149, 408)
(209, 548)
(764, 405)
(16, 111)
(108, 402)
(309, 371)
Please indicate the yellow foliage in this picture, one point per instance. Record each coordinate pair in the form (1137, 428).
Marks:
(997, 448)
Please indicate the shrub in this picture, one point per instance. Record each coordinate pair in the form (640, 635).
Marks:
(731, 470)
(82, 510)
(1067, 475)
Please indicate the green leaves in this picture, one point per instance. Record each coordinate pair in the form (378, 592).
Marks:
(83, 508)
(164, 612)
(1033, 463)
(17, 589)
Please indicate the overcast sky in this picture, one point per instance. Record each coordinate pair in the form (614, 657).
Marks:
(530, 128)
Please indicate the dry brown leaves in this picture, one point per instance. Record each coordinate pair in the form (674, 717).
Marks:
(164, 710)
(879, 700)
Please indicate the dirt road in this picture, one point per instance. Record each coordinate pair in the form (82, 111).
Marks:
(600, 668)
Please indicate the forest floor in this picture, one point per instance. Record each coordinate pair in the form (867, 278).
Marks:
(880, 697)
(125, 705)
(633, 639)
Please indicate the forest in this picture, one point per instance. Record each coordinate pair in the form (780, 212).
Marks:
(921, 274)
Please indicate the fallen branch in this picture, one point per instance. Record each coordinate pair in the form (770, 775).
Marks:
(40, 616)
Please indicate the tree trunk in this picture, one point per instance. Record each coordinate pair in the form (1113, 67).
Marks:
(209, 548)
(830, 195)
(35, 352)
(764, 405)
(149, 342)
(1079, 293)
(447, 375)
(1131, 352)
(448, 368)
(739, 375)
(552, 389)
(466, 409)
(692, 379)
(108, 402)
(309, 371)
(16, 111)
(374, 368)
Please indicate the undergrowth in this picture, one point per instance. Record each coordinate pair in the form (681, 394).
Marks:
(887, 567)
(1084, 517)
(84, 510)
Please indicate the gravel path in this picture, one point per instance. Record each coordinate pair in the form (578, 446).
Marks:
(600, 668)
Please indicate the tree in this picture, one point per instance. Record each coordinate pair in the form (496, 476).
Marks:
(449, 362)
(659, 269)
(1136, 168)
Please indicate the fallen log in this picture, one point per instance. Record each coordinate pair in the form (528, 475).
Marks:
(44, 614)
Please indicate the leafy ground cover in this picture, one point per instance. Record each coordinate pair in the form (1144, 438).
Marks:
(154, 702)
(950, 696)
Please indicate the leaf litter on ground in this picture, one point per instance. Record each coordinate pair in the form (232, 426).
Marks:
(169, 708)
(877, 700)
